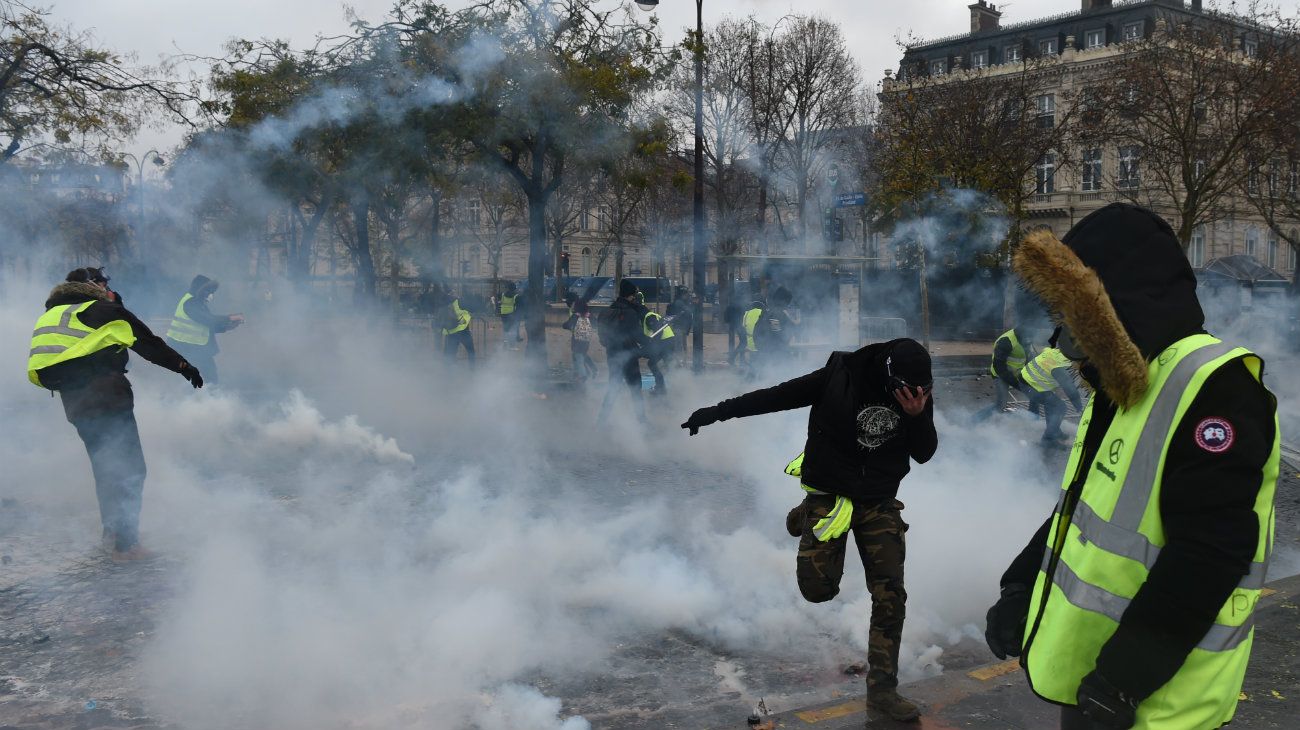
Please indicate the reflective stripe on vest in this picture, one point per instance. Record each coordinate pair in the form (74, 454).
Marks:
(1038, 373)
(60, 336)
(507, 304)
(1102, 547)
(751, 322)
(1016, 360)
(462, 319)
(648, 330)
(184, 329)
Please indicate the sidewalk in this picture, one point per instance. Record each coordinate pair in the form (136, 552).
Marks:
(996, 696)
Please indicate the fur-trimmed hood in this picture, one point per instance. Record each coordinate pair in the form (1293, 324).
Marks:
(1121, 283)
(75, 292)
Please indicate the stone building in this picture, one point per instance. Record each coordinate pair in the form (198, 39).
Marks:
(1072, 48)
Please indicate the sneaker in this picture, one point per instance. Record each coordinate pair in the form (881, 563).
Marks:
(132, 555)
(794, 520)
(1057, 442)
(894, 705)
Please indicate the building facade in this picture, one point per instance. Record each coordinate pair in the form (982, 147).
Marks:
(1071, 50)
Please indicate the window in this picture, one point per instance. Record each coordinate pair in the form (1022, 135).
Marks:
(1252, 180)
(1047, 47)
(937, 68)
(1250, 48)
(1092, 170)
(1129, 164)
(1252, 240)
(584, 221)
(1046, 182)
(1293, 180)
(1196, 251)
(473, 215)
(1198, 169)
(1011, 54)
(602, 218)
(979, 59)
(1274, 179)
(1291, 255)
(1272, 250)
(1046, 110)
(1133, 31)
(1094, 39)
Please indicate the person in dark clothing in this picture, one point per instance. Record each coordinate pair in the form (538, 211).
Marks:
(775, 330)
(456, 332)
(1125, 295)
(683, 317)
(620, 331)
(194, 328)
(1011, 352)
(732, 318)
(79, 350)
(871, 416)
(94, 275)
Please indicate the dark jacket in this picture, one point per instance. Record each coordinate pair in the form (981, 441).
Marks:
(97, 382)
(860, 443)
(197, 309)
(1002, 350)
(1207, 499)
(621, 328)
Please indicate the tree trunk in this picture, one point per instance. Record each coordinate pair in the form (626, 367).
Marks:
(435, 233)
(365, 284)
(762, 213)
(535, 312)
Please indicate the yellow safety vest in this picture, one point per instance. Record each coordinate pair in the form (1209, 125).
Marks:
(507, 304)
(1038, 373)
(462, 319)
(60, 336)
(184, 329)
(648, 329)
(1017, 359)
(1106, 537)
(751, 322)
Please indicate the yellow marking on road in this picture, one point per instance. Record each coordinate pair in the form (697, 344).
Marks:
(830, 713)
(984, 674)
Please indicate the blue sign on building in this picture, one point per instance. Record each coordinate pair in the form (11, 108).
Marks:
(847, 200)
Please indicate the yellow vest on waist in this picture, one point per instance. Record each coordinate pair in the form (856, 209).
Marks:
(751, 323)
(1107, 534)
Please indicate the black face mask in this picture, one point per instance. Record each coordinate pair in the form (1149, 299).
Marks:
(894, 383)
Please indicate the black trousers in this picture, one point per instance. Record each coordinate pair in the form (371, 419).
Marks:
(117, 460)
(623, 366)
(454, 341)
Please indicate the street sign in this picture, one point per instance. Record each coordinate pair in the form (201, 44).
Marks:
(833, 174)
(848, 200)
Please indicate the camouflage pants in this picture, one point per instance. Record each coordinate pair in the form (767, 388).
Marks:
(878, 531)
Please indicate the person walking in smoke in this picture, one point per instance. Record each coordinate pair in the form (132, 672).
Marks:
(871, 415)
(774, 331)
(1011, 352)
(455, 330)
(1040, 377)
(620, 332)
(194, 328)
(78, 349)
(1132, 605)
(582, 333)
(506, 307)
(660, 342)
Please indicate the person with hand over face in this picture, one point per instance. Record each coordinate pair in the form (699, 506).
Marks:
(871, 416)
(79, 349)
(1132, 606)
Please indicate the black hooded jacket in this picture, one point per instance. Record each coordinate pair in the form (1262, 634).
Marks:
(1207, 499)
(197, 309)
(860, 442)
(97, 382)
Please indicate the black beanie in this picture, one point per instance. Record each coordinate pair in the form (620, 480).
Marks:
(910, 361)
(626, 289)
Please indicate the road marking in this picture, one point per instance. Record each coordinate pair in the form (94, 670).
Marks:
(984, 674)
(830, 713)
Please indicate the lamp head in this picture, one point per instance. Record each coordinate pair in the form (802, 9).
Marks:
(647, 5)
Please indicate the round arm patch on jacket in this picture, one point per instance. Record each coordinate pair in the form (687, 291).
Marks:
(1214, 435)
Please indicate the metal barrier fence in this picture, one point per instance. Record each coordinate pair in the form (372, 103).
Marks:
(878, 329)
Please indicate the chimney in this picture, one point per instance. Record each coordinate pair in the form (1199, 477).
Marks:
(984, 16)
(1091, 5)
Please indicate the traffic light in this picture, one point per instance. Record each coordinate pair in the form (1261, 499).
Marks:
(828, 226)
(837, 229)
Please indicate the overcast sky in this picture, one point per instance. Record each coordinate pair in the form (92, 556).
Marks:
(154, 29)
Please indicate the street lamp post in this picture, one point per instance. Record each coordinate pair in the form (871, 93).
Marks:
(699, 254)
(157, 159)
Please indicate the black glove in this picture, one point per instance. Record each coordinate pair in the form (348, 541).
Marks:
(191, 373)
(1105, 705)
(701, 418)
(1005, 627)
